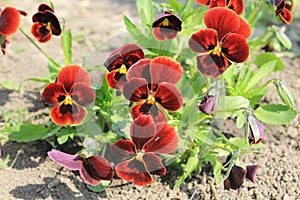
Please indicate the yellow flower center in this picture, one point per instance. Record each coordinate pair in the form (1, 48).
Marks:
(122, 69)
(139, 156)
(217, 51)
(151, 100)
(166, 22)
(68, 100)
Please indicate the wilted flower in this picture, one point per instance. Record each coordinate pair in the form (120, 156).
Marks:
(222, 42)
(10, 21)
(151, 83)
(284, 10)
(45, 24)
(208, 104)
(237, 177)
(92, 169)
(251, 137)
(118, 63)
(166, 26)
(235, 5)
(147, 140)
(68, 96)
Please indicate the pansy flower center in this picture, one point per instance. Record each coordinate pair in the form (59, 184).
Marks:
(151, 99)
(47, 26)
(68, 100)
(122, 69)
(166, 22)
(139, 156)
(217, 51)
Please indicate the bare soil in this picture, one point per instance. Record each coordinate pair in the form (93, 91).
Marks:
(34, 176)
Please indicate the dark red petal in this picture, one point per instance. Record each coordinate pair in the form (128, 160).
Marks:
(43, 7)
(141, 130)
(87, 178)
(116, 80)
(223, 20)
(212, 65)
(5, 43)
(67, 114)
(245, 29)
(131, 51)
(113, 60)
(164, 33)
(140, 69)
(286, 16)
(168, 96)
(235, 48)
(22, 12)
(135, 171)
(136, 90)
(53, 94)
(123, 148)
(45, 18)
(71, 74)
(40, 33)
(165, 69)
(156, 114)
(82, 94)
(10, 21)
(154, 164)
(237, 177)
(204, 40)
(203, 2)
(164, 141)
(251, 172)
(217, 3)
(72, 162)
(98, 168)
(237, 6)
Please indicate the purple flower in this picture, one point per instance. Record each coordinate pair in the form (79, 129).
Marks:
(92, 169)
(237, 177)
(251, 137)
(208, 104)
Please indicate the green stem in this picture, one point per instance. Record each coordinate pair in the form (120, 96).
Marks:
(253, 13)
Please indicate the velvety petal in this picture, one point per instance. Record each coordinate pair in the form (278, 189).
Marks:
(82, 94)
(98, 168)
(164, 33)
(236, 178)
(10, 21)
(143, 109)
(164, 141)
(116, 80)
(212, 65)
(237, 6)
(203, 2)
(5, 43)
(245, 29)
(135, 171)
(67, 114)
(168, 96)
(87, 179)
(72, 162)
(251, 138)
(53, 94)
(235, 48)
(40, 32)
(251, 172)
(113, 60)
(123, 148)
(217, 3)
(165, 69)
(43, 7)
(141, 130)
(48, 16)
(154, 164)
(204, 40)
(70, 74)
(208, 104)
(131, 53)
(286, 16)
(136, 90)
(223, 20)
(140, 69)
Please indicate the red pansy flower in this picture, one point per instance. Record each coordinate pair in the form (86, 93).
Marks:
(10, 21)
(222, 42)
(68, 95)
(147, 140)
(118, 63)
(166, 26)
(151, 83)
(92, 169)
(235, 5)
(284, 11)
(45, 24)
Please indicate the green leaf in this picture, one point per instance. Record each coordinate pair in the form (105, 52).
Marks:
(241, 143)
(266, 57)
(276, 114)
(41, 80)
(100, 187)
(145, 9)
(9, 85)
(29, 132)
(261, 73)
(62, 139)
(66, 43)
(230, 105)
(135, 32)
(175, 5)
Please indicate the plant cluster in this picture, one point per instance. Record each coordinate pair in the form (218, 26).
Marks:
(164, 91)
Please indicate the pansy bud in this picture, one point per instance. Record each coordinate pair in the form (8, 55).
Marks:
(284, 93)
(208, 104)
(256, 131)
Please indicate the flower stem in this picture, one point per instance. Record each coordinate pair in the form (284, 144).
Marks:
(253, 13)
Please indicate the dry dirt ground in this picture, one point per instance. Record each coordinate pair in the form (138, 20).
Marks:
(34, 176)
